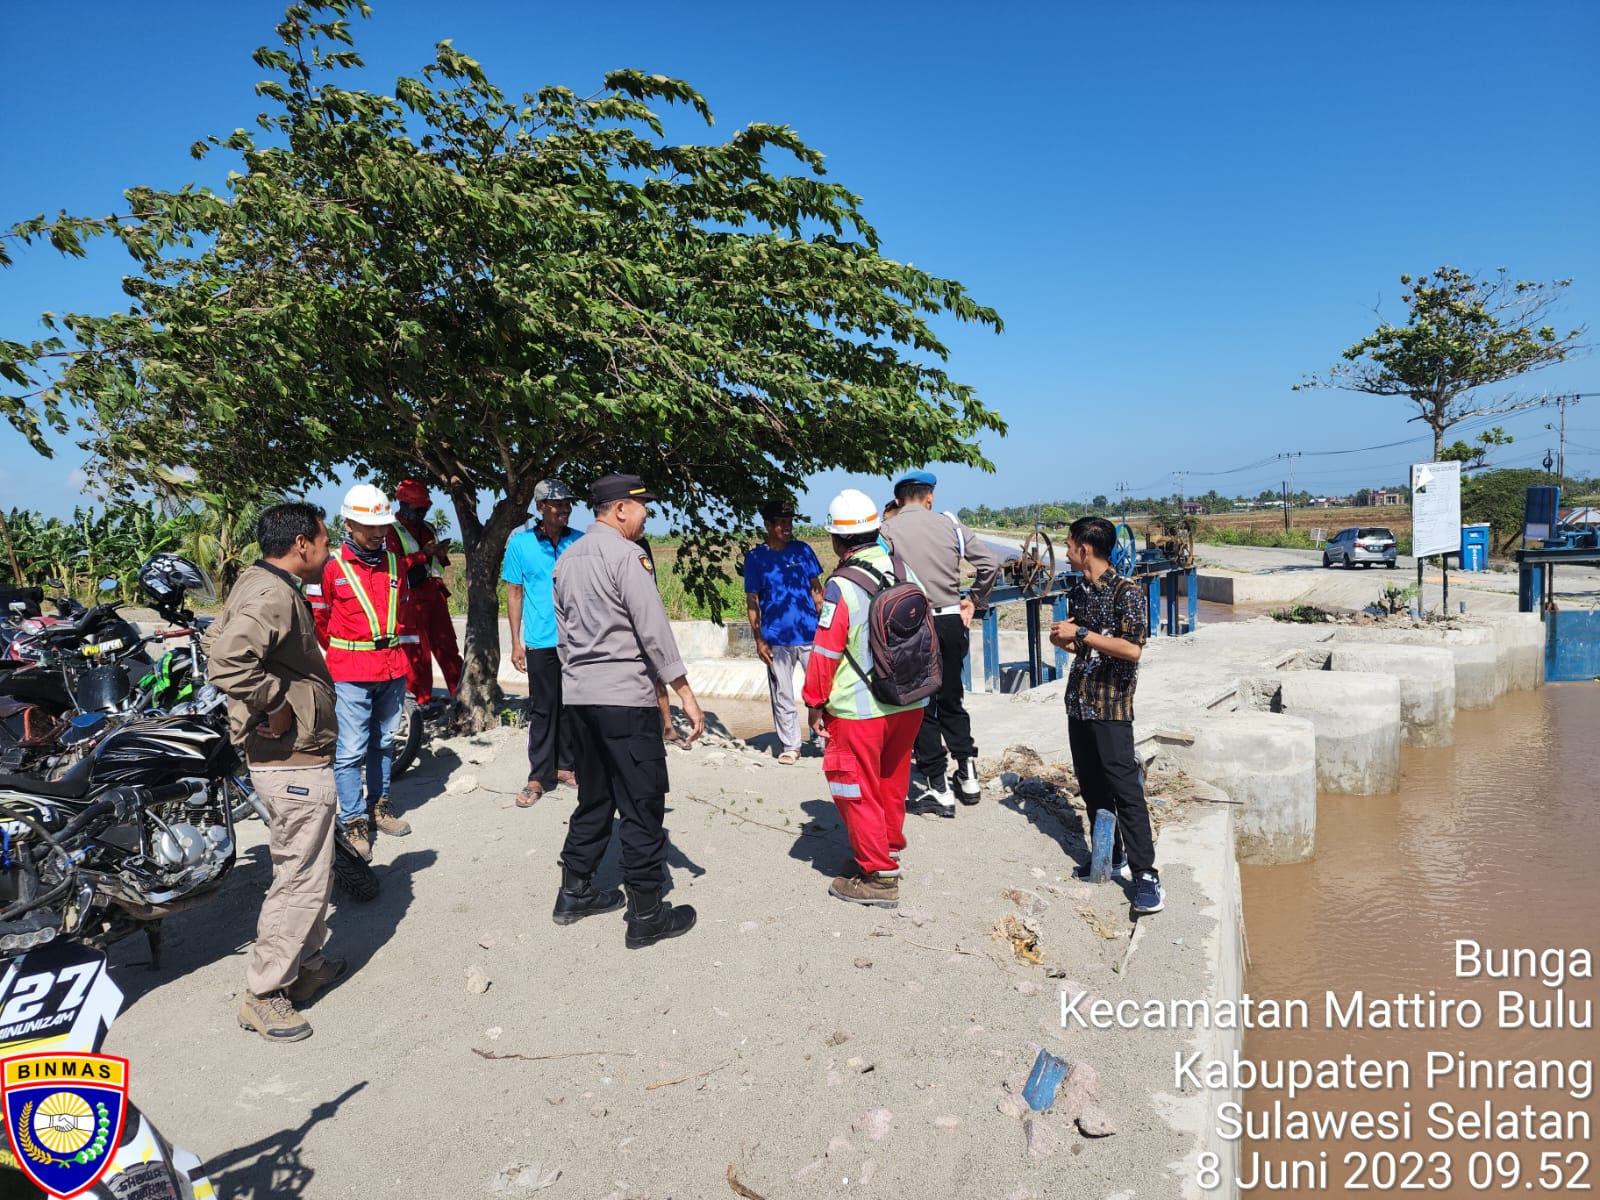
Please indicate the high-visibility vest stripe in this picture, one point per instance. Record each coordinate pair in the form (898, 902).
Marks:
(409, 544)
(378, 632)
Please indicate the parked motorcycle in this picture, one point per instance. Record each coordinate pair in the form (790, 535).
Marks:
(177, 682)
(60, 999)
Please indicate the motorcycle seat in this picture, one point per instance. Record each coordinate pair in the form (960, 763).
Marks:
(74, 785)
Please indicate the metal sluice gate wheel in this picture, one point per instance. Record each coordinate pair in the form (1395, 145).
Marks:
(1126, 552)
(1033, 570)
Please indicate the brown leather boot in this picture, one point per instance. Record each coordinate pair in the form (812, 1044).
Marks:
(387, 820)
(273, 1016)
(878, 891)
(359, 835)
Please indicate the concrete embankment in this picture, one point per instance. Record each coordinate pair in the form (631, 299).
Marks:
(1271, 714)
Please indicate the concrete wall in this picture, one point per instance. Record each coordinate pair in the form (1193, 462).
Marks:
(1356, 717)
(1203, 844)
(1427, 678)
(1267, 763)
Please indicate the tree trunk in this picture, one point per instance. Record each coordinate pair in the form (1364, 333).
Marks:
(483, 547)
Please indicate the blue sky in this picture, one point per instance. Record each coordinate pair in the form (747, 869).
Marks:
(1178, 208)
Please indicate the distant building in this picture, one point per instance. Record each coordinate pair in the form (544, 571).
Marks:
(1193, 508)
(1382, 499)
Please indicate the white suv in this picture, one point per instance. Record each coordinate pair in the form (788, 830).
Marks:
(1364, 544)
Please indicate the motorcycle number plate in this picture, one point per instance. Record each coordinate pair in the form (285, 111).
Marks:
(58, 997)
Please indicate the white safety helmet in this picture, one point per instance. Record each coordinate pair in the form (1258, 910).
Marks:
(852, 512)
(367, 505)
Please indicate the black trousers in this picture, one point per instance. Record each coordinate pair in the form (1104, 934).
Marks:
(945, 723)
(622, 770)
(549, 729)
(1108, 774)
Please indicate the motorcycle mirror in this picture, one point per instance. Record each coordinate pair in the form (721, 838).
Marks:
(109, 585)
(58, 584)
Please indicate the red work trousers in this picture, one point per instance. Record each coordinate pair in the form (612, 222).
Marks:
(436, 639)
(868, 765)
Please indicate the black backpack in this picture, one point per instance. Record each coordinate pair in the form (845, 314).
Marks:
(906, 665)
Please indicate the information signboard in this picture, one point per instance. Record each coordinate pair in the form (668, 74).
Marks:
(1435, 508)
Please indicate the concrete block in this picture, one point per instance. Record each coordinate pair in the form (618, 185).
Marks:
(1357, 721)
(1267, 763)
(733, 678)
(1522, 643)
(701, 639)
(1481, 674)
(1231, 587)
(1427, 676)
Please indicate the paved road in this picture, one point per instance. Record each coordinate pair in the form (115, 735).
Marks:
(1281, 570)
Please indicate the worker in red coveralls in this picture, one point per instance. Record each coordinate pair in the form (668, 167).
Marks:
(867, 757)
(430, 608)
(359, 609)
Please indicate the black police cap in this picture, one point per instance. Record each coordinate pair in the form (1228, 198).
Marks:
(619, 487)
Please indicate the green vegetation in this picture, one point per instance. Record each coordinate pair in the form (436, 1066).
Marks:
(1498, 497)
(1292, 539)
(1302, 614)
(1462, 332)
(480, 288)
(213, 530)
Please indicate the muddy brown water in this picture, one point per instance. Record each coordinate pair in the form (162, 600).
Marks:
(1492, 841)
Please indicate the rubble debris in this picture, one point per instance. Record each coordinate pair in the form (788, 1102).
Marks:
(1031, 903)
(1093, 1122)
(1042, 1135)
(523, 1179)
(874, 1124)
(1022, 935)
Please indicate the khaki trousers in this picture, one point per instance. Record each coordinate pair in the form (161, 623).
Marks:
(294, 927)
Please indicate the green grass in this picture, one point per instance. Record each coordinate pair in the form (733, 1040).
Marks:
(1286, 539)
(1290, 539)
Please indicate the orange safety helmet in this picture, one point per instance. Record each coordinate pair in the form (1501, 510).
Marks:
(413, 493)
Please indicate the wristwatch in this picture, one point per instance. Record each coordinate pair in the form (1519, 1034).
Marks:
(1080, 639)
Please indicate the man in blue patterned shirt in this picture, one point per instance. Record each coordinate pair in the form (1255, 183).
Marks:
(1105, 629)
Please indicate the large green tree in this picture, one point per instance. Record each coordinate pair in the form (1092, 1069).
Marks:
(1462, 332)
(482, 290)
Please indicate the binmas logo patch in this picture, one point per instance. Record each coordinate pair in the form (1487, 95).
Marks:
(644, 561)
(64, 1115)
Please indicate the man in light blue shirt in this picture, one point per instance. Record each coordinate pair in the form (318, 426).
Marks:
(528, 573)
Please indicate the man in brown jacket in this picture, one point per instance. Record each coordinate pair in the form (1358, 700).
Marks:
(265, 657)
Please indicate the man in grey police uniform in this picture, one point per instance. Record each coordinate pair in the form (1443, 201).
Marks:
(933, 545)
(615, 643)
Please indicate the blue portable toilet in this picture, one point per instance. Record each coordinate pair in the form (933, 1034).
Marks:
(1474, 547)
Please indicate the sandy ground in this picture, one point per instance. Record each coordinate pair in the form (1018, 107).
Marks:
(815, 1048)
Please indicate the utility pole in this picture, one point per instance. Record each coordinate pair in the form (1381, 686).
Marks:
(1177, 477)
(1288, 487)
(1122, 498)
(1561, 403)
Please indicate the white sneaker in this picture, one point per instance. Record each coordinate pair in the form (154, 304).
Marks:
(927, 800)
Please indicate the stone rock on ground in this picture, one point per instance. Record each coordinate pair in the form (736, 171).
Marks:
(522, 1179)
(875, 1123)
(1078, 1092)
(1042, 1135)
(1093, 1122)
